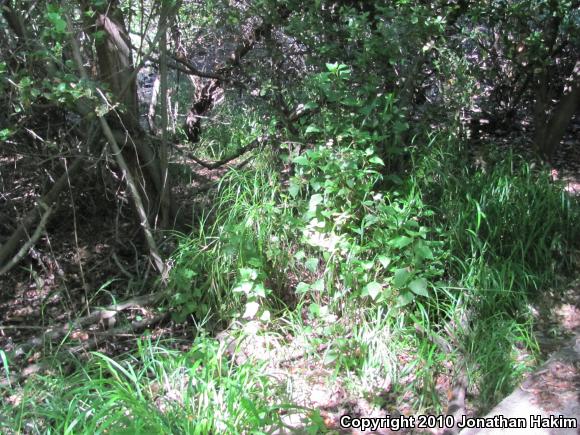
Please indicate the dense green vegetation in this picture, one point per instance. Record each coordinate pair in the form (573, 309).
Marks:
(374, 219)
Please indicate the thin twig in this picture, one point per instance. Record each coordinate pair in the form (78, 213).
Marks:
(98, 338)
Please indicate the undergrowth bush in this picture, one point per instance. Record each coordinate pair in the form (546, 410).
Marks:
(511, 213)
(376, 266)
(368, 249)
(378, 242)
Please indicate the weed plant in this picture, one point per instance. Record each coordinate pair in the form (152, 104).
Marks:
(382, 266)
(240, 252)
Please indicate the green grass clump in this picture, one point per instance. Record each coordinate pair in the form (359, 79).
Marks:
(511, 235)
(442, 252)
(240, 252)
(156, 390)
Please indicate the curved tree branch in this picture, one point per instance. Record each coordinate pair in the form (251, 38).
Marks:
(154, 251)
(242, 150)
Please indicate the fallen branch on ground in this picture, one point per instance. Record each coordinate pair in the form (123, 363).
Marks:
(208, 186)
(129, 330)
(10, 246)
(242, 150)
(53, 334)
(31, 241)
(86, 345)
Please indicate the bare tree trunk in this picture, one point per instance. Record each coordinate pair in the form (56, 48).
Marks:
(205, 96)
(549, 132)
(115, 68)
(133, 187)
(165, 193)
(540, 111)
(206, 93)
(152, 113)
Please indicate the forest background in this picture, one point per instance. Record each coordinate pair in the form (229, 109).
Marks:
(242, 216)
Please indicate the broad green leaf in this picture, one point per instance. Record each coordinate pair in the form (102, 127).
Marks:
(259, 290)
(332, 67)
(312, 129)
(367, 265)
(330, 357)
(405, 298)
(314, 309)
(352, 102)
(302, 287)
(318, 286)
(251, 310)
(377, 160)
(248, 274)
(400, 278)
(370, 219)
(293, 189)
(423, 251)
(311, 264)
(400, 242)
(245, 287)
(257, 263)
(300, 255)
(58, 23)
(373, 289)
(301, 160)
(5, 133)
(25, 82)
(384, 260)
(265, 317)
(419, 287)
(411, 224)
(314, 201)
(179, 317)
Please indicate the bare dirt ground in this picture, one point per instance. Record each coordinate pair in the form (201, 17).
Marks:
(91, 254)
